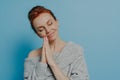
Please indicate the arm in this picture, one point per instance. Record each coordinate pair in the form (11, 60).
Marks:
(79, 69)
(78, 72)
(47, 53)
(34, 69)
(59, 75)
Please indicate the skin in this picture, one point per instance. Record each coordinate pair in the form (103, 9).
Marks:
(47, 29)
(45, 25)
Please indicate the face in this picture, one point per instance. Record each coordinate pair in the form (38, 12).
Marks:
(46, 25)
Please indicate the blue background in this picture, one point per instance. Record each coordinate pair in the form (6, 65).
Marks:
(94, 24)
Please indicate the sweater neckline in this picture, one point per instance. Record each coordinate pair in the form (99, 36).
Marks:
(57, 53)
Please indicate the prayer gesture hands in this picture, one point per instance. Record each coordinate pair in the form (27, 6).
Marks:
(47, 56)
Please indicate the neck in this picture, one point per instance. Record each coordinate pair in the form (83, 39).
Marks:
(54, 45)
(56, 41)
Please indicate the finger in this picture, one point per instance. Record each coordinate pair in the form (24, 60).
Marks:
(44, 45)
(46, 42)
(43, 52)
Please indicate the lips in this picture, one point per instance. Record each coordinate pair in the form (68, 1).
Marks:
(50, 35)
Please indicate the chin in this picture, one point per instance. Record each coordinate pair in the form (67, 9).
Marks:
(53, 38)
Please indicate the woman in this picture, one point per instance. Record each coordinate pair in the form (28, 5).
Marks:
(56, 59)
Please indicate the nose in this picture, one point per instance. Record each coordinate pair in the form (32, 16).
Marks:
(47, 30)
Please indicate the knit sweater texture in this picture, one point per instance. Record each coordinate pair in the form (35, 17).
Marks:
(70, 60)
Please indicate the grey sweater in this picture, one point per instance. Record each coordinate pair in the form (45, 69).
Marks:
(70, 60)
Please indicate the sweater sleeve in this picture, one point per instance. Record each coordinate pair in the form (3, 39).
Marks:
(79, 68)
(34, 70)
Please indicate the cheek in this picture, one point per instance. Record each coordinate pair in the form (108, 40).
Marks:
(42, 34)
(55, 27)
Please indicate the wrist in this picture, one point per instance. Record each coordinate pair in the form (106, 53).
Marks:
(43, 61)
(52, 64)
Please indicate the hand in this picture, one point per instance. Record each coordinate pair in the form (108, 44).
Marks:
(47, 56)
(43, 58)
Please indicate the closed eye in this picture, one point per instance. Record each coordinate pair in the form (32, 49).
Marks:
(50, 23)
(40, 30)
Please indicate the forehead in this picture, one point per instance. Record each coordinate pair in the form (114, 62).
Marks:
(42, 19)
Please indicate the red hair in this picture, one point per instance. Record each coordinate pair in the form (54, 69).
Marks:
(36, 11)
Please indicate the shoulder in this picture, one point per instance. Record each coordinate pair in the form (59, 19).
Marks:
(77, 48)
(35, 53)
